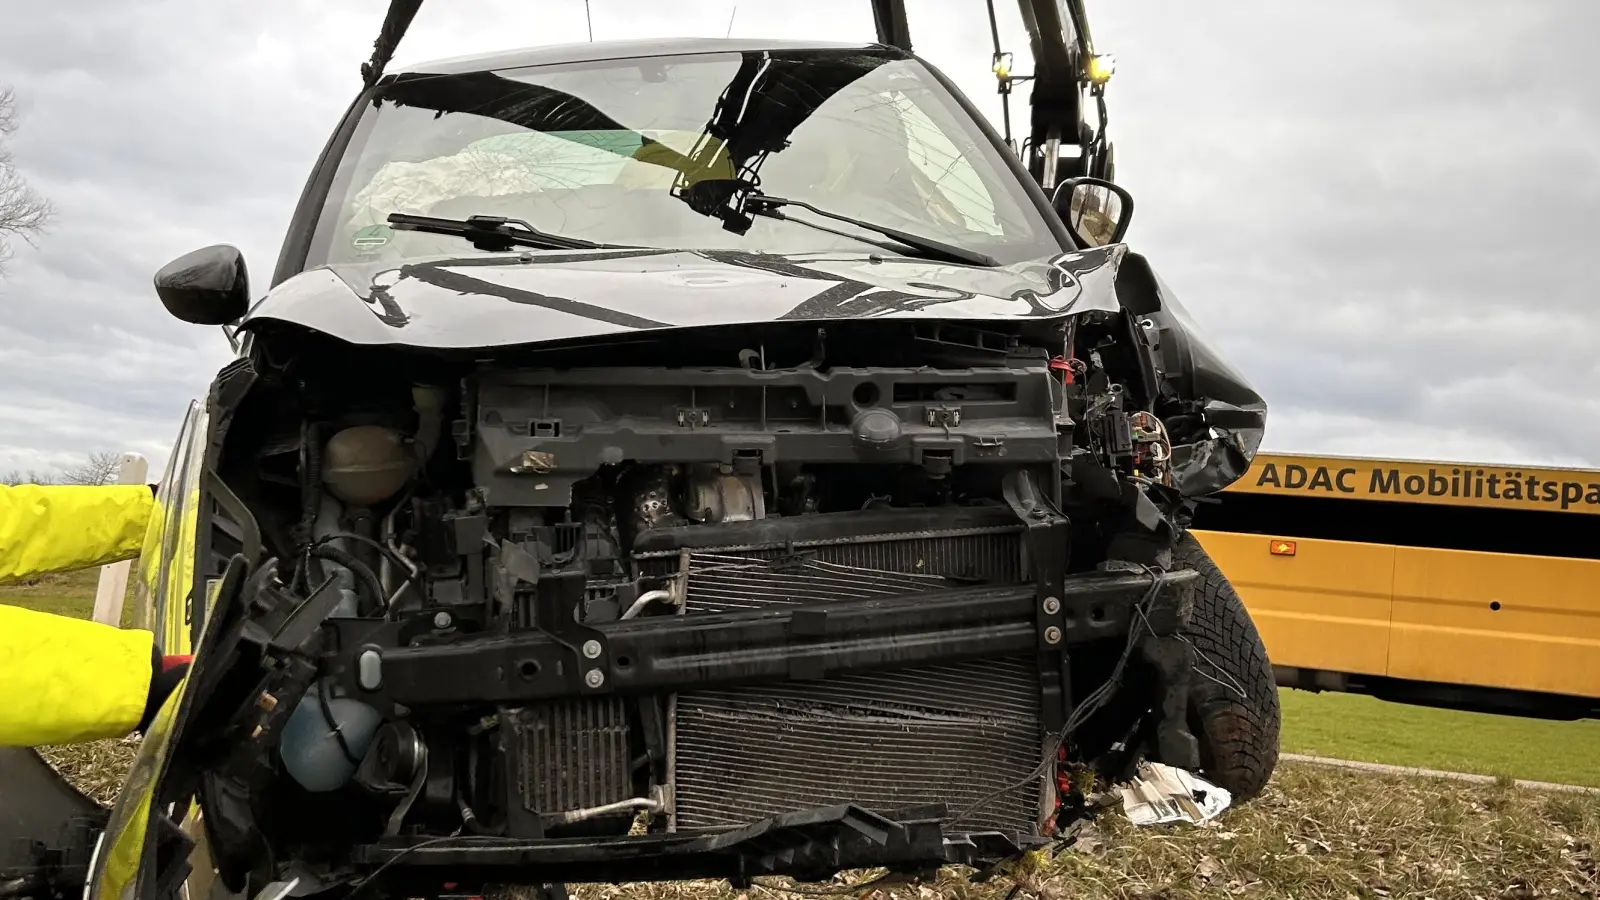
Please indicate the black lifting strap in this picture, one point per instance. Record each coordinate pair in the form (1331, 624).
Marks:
(893, 29)
(401, 12)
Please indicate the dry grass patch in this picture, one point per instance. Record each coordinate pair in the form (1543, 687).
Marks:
(96, 768)
(1317, 832)
(1320, 832)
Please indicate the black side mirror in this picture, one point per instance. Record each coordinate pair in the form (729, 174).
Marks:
(206, 287)
(1095, 210)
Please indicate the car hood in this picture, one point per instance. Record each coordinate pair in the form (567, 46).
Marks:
(510, 299)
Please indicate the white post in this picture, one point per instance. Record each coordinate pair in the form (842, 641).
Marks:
(113, 586)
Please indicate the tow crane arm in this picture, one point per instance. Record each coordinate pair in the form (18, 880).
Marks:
(1066, 133)
(1068, 84)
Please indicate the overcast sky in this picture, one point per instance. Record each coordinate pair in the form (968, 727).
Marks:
(1387, 212)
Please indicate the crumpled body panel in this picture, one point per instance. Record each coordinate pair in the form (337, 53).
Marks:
(505, 300)
(1235, 415)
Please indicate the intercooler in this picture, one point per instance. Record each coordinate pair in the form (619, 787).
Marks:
(967, 734)
(574, 754)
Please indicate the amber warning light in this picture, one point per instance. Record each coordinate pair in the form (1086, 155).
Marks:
(1281, 548)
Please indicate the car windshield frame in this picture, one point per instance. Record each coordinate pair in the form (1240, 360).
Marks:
(1019, 228)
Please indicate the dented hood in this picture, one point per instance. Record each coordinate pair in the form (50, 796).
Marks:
(503, 300)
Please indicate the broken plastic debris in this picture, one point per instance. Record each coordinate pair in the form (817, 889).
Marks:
(1161, 794)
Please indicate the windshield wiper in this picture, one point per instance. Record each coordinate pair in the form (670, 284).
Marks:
(491, 233)
(771, 207)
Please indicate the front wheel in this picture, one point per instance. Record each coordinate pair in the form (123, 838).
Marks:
(1233, 697)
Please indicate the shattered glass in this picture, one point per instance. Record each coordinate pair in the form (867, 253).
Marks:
(609, 151)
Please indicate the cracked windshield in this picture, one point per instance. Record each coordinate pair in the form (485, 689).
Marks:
(660, 153)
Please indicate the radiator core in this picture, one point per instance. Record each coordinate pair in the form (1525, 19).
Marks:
(962, 735)
(966, 734)
(574, 754)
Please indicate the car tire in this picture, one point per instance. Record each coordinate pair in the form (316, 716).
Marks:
(1237, 732)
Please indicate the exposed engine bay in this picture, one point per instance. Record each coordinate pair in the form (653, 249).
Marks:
(838, 584)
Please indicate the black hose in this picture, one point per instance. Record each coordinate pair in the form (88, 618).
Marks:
(310, 495)
(311, 489)
(469, 819)
(360, 569)
(412, 575)
(363, 526)
(333, 724)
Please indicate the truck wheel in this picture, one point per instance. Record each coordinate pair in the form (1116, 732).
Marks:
(1237, 732)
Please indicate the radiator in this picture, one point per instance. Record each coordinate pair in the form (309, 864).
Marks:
(727, 582)
(960, 734)
(968, 735)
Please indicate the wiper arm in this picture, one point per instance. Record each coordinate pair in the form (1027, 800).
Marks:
(491, 232)
(763, 205)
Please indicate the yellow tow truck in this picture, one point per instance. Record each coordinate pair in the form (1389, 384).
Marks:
(1449, 584)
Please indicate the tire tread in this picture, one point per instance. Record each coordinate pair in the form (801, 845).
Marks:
(1238, 735)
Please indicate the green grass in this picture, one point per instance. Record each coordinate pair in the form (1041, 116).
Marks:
(66, 594)
(1349, 726)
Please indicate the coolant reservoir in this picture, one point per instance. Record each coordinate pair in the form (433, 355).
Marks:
(366, 464)
(310, 748)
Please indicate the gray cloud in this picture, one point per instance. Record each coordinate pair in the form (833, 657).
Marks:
(1385, 212)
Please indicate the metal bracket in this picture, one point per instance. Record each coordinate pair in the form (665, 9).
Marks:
(693, 417)
(1171, 659)
(989, 445)
(1047, 544)
(558, 598)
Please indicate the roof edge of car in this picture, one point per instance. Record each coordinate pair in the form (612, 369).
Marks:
(598, 51)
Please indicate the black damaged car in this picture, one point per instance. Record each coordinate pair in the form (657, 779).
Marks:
(683, 459)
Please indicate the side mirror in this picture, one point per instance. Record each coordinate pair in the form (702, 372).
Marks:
(1096, 211)
(206, 287)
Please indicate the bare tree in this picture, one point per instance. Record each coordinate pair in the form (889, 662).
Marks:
(100, 468)
(14, 477)
(22, 211)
